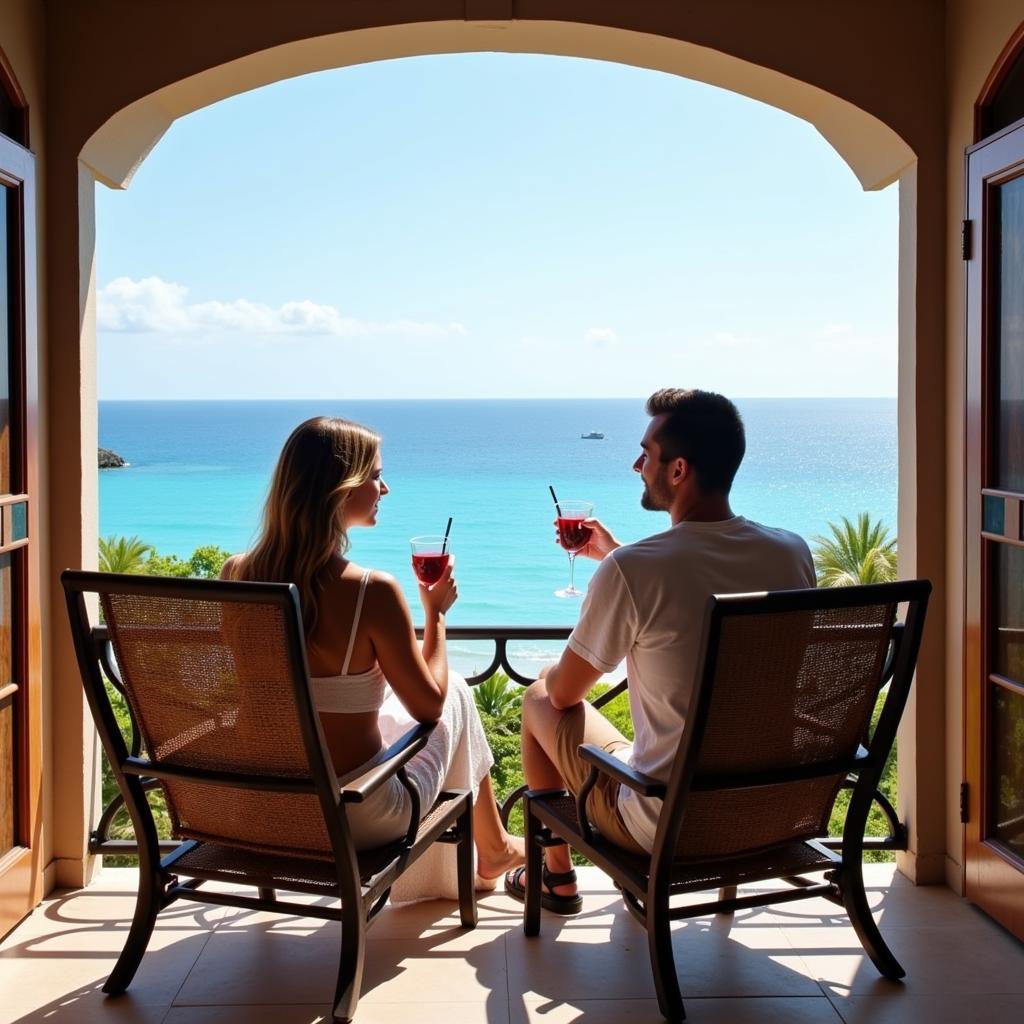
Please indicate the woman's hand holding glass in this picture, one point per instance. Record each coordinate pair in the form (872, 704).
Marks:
(440, 596)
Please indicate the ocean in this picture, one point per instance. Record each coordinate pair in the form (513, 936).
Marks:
(198, 475)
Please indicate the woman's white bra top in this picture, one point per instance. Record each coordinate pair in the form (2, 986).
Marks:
(349, 694)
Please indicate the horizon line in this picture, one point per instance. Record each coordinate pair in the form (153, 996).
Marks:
(493, 398)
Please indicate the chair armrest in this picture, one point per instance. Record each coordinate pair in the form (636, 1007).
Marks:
(621, 772)
(401, 751)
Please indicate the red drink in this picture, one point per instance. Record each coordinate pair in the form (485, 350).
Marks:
(429, 568)
(572, 534)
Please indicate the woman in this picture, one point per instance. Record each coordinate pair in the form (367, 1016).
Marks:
(361, 645)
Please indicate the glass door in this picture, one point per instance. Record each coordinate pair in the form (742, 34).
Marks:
(994, 698)
(20, 731)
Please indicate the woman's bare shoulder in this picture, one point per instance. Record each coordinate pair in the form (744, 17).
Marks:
(384, 599)
(383, 587)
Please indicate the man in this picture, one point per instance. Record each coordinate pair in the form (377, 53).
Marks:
(646, 604)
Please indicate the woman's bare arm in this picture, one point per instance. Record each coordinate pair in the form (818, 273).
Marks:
(419, 678)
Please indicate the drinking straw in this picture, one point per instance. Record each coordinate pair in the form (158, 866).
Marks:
(444, 543)
(555, 500)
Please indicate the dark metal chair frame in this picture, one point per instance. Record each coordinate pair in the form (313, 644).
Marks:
(100, 841)
(554, 817)
(362, 881)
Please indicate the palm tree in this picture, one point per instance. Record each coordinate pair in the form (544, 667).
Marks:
(499, 700)
(123, 554)
(855, 554)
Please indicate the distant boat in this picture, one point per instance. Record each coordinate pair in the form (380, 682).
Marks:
(594, 435)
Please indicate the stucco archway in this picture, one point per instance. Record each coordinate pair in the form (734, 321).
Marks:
(875, 152)
(866, 83)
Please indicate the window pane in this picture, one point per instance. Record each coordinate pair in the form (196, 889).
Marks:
(1007, 614)
(19, 522)
(1008, 103)
(1008, 392)
(1008, 769)
(993, 514)
(10, 117)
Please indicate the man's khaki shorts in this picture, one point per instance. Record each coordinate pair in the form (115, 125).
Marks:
(582, 724)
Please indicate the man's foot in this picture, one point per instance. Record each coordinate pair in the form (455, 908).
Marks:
(564, 903)
(492, 864)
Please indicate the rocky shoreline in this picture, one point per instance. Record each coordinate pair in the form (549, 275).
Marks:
(110, 460)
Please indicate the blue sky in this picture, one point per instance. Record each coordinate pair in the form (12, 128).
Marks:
(494, 225)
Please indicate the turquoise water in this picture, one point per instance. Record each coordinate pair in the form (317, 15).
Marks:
(199, 472)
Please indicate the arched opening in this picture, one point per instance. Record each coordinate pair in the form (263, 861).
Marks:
(531, 600)
(700, 262)
(873, 148)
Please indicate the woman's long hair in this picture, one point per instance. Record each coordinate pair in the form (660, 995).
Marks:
(303, 526)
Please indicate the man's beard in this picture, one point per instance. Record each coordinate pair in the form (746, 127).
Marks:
(653, 501)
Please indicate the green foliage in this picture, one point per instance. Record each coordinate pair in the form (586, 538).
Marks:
(131, 555)
(877, 824)
(499, 704)
(499, 700)
(855, 553)
(121, 826)
(205, 563)
(123, 554)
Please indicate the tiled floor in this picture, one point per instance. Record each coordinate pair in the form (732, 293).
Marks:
(796, 963)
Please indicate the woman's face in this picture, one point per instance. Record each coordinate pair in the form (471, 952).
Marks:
(361, 507)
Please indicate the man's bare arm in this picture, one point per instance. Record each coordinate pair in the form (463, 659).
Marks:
(570, 679)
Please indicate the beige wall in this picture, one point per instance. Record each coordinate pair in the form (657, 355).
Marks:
(977, 31)
(868, 73)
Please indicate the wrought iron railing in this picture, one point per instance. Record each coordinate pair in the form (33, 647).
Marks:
(100, 841)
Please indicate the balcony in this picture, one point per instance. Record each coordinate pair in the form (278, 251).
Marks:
(796, 963)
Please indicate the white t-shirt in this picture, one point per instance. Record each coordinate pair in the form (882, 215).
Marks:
(646, 603)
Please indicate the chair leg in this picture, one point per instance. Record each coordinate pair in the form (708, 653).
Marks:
(534, 871)
(663, 964)
(855, 900)
(147, 906)
(350, 967)
(268, 894)
(465, 867)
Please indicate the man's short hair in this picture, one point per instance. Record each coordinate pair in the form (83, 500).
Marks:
(705, 429)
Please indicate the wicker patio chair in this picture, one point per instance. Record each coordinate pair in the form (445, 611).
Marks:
(779, 721)
(216, 679)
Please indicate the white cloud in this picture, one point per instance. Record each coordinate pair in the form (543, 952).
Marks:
(152, 305)
(601, 336)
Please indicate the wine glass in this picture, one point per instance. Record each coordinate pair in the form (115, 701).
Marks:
(573, 536)
(430, 557)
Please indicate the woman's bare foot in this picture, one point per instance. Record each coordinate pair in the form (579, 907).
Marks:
(494, 862)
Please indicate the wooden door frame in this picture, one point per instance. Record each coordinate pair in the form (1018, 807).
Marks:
(994, 878)
(21, 869)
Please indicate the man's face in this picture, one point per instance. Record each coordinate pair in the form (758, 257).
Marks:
(657, 495)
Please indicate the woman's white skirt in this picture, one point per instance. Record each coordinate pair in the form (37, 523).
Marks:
(457, 756)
